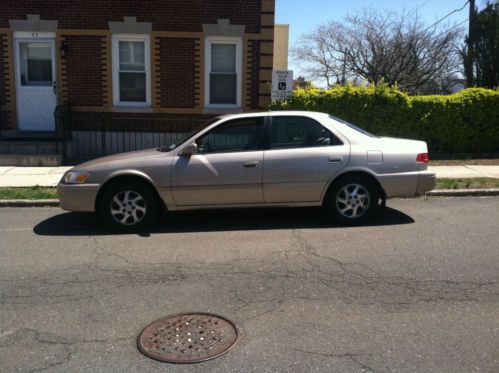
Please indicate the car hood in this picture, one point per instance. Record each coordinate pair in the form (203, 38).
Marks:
(138, 155)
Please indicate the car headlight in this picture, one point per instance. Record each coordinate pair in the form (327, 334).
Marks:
(76, 177)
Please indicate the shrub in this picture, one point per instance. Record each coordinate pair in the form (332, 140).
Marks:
(467, 121)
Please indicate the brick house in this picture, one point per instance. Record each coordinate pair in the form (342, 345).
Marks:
(130, 66)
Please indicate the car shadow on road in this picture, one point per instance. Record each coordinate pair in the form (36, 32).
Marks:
(85, 224)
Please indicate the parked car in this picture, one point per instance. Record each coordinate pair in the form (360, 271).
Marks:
(286, 158)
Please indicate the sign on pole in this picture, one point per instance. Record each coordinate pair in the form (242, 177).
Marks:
(282, 84)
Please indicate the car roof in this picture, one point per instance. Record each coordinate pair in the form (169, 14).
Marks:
(339, 126)
(310, 114)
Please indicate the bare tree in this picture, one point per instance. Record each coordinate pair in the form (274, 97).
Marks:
(396, 48)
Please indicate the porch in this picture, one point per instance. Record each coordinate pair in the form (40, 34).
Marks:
(79, 137)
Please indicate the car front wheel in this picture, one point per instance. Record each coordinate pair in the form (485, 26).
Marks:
(352, 200)
(129, 207)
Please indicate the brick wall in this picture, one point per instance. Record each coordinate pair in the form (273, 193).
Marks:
(253, 73)
(3, 77)
(171, 15)
(177, 77)
(138, 122)
(84, 75)
(7, 98)
(83, 70)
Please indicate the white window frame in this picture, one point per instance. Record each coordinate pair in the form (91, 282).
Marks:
(239, 67)
(116, 66)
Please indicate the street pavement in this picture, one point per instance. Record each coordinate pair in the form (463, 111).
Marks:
(50, 176)
(414, 291)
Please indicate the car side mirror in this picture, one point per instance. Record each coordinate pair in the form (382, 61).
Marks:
(189, 150)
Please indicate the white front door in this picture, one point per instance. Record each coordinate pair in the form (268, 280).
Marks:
(35, 83)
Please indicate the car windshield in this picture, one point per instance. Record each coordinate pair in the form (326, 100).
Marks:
(187, 136)
(353, 126)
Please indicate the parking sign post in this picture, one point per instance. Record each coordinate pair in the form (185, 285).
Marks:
(282, 84)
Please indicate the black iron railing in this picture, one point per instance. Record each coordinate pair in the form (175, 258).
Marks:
(62, 116)
(85, 136)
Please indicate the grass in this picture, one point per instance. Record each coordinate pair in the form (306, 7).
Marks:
(35, 192)
(473, 183)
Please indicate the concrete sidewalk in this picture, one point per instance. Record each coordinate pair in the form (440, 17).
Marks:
(50, 176)
(31, 176)
(465, 172)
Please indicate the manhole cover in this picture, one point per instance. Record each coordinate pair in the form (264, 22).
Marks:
(188, 338)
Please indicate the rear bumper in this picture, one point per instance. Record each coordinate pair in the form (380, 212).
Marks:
(426, 182)
(80, 197)
(407, 184)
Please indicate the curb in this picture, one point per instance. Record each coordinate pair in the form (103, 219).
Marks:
(463, 192)
(433, 193)
(29, 203)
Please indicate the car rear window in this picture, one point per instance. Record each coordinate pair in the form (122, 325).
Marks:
(353, 126)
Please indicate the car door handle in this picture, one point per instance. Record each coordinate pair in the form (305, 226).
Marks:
(335, 159)
(251, 163)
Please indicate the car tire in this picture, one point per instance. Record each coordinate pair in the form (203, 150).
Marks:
(129, 207)
(353, 200)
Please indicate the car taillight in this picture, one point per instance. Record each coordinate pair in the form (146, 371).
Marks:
(423, 158)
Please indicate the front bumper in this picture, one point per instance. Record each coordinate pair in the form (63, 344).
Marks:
(77, 197)
(426, 182)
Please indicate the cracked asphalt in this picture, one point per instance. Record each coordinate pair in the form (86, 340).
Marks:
(415, 291)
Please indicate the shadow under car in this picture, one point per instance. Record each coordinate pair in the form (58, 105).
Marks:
(85, 224)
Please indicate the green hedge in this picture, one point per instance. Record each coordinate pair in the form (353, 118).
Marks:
(464, 122)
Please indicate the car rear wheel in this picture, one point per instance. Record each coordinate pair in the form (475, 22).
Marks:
(129, 207)
(352, 200)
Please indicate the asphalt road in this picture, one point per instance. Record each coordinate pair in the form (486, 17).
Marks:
(416, 291)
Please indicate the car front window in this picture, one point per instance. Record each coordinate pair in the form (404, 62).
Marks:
(187, 136)
(237, 135)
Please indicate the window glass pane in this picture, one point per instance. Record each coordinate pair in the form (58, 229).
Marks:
(138, 52)
(125, 52)
(235, 136)
(300, 132)
(132, 55)
(223, 58)
(223, 88)
(36, 64)
(133, 87)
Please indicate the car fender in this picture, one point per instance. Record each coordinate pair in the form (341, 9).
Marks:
(128, 172)
(347, 170)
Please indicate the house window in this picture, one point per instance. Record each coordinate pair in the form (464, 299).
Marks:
(131, 70)
(223, 72)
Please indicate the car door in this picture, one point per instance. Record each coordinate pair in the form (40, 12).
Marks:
(227, 168)
(302, 157)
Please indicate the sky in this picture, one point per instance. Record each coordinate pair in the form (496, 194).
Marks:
(305, 15)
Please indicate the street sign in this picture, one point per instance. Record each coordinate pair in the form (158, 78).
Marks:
(282, 84)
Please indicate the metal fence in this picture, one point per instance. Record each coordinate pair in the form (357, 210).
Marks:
(85, 137)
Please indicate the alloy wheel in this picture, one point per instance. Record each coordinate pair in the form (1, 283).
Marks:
(352, 201)
(128, 207)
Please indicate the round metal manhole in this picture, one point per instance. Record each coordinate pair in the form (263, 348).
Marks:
(188, 338)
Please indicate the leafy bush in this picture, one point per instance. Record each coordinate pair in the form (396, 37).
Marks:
(467, 121)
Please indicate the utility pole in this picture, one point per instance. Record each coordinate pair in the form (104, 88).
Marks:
(470, 56)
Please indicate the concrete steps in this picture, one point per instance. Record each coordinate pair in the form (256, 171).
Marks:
(26, 149)
(31, 160)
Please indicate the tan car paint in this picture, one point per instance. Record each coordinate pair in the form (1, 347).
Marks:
(286, 177)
